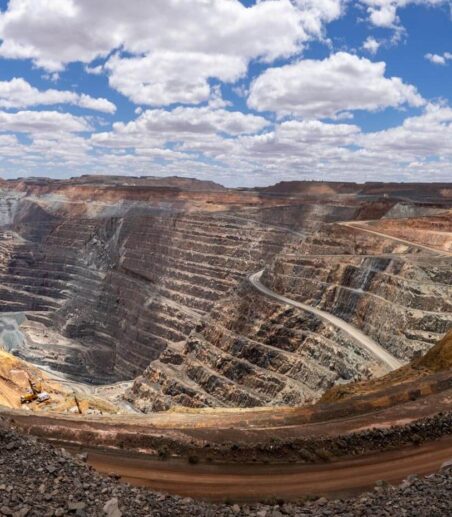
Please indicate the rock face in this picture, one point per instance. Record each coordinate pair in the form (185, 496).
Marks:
(121, 287)
(249, 352)
(126, 287)
(147, 279)
(9, 202)
(437, 359)
(400, 297)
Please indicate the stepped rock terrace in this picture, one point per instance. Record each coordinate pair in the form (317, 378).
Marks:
(147, 280)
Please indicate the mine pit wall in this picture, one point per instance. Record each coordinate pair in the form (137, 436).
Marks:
(401, 301)
(227, 365)
(44, 269)
(434, 231)
(250, 352)
(408, 210)
(132, 290)
(173, 270)
(308, 216)
(125, 288)
(9, 203)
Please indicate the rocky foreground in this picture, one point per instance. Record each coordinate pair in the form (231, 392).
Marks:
(39, 480)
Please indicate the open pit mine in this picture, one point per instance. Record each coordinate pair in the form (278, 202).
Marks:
(265, 351)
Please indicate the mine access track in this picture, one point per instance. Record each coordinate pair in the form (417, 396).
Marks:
(365, 341)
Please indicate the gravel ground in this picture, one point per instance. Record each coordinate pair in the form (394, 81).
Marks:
(37, 480)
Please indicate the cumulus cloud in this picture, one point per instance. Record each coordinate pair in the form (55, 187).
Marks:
(18, 93)
(383, 13)
(439, 59)
(172, 47)
(154, 127)
(163, 78)
(315, 13)
(99, 104)
(255, 150)
(417, 138)
(371, 45)
(240, 151)
(318, 89)
(417, 149)
(308, 138)
(42, 121)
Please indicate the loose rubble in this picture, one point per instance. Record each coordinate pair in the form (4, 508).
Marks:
(38, 480)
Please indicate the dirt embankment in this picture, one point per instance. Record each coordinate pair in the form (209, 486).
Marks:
(15, 377)
(372, 416)
(437, 359)
(341, 446)
(434, 231)
(66, 486)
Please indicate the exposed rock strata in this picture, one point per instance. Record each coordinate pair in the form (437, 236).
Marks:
(139, 277)
(400, 297)
(125, 287)
(252, 351)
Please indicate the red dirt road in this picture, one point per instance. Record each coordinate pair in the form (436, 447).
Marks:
(260, 482)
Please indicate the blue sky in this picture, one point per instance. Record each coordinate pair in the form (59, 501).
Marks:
(243, 93)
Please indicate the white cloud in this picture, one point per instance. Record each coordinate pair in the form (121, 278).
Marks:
(371, 45)
(42, 121)
(435, 58)
(156, 127)
(216, 100)
(100, 104)
(315, 13)
(175, 46)
(383, 13)
(18, 93)
(308, 138)
(85, 30)
(417, 138)
(317, 89)
(162, 78)
(438, 59)
(94, 70)
(417, 149)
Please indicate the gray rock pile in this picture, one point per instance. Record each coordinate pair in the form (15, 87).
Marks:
(38, 480)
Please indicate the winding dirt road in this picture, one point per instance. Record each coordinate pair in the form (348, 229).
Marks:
(365, 341)
(286, 481)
